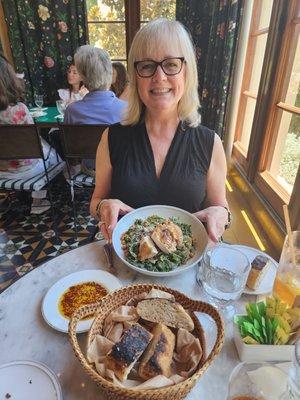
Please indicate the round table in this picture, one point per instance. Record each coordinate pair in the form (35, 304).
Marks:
(24, 335)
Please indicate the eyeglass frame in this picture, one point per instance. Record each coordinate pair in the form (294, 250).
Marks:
(159, 63)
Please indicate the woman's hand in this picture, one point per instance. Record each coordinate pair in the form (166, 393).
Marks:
(215, 218)
(109, 212)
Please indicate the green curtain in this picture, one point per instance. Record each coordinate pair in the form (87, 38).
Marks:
(44, 35)
(214, 26)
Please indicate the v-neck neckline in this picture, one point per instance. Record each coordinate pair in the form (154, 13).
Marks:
(153, 167)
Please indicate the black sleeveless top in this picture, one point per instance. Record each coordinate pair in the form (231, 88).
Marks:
(182, 181)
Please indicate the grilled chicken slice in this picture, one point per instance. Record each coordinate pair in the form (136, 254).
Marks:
(167, 236)
(147, 249)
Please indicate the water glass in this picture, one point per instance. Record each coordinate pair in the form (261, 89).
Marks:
(39, 100)
(287, 282)
(223, 272)
(256, 381)
(61, 106)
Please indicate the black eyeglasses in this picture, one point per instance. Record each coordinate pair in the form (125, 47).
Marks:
(170, 66)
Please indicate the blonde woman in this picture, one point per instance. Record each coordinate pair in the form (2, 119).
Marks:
(160, 154)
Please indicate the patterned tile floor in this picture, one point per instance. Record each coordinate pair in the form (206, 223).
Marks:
(28, 240)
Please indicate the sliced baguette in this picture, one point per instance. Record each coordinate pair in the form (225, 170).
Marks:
(165, 312)
(125, 353)
(157, 359)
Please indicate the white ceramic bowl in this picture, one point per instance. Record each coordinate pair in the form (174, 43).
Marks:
(198, 232)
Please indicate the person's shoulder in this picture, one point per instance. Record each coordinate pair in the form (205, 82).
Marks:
(116, 129)
(202, 132)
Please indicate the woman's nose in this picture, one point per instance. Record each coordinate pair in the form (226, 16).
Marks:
(159, 74)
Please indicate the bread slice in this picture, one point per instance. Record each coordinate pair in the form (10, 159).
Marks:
(147, 249)
(165, 312)
(259, 267)
(128, 350)
(157, 359)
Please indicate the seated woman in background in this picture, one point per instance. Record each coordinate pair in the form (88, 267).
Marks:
(160, 154)
(14, 112)
(76, 90)
(119, 84)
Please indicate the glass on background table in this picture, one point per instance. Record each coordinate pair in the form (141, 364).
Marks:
(24, 335)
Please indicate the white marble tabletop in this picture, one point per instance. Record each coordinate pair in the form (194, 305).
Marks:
(24, 335)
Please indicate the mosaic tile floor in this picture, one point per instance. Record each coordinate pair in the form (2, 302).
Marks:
(28, 240)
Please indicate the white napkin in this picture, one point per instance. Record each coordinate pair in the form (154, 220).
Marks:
(269, 381)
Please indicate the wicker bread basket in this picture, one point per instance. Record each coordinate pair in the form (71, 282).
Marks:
(120, 297)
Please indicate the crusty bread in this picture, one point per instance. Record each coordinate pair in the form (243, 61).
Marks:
(165, 312)
(157, 359)
(128, 350)
(259, 267)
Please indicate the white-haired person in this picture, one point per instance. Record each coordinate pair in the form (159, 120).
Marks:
(160, 154)
(100, 105)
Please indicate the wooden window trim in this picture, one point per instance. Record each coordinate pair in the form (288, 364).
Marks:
(287, 107)
(250, 94)
(259, 32)
(132, 15)
(274, 193)
(256, 10)
(279, 18)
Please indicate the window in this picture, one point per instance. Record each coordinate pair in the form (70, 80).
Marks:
(255, 55)
(112, 24)
(267, 147)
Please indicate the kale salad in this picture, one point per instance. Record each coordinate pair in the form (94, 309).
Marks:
(158, 244)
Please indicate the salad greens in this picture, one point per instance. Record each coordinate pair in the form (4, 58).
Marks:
(161, 262)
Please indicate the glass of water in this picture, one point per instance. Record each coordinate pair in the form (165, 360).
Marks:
(61, 106)
(223, 273)
(39, 100)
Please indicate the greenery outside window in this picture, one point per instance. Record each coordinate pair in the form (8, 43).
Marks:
(113, 23)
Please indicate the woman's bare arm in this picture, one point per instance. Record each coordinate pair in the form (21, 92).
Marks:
(103, 174)
(111, 208)
(215, 215)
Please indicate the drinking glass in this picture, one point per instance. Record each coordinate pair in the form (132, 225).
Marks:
(256, 381)
(223, 272)
(39, 100)
(61, 106)
(287, 282)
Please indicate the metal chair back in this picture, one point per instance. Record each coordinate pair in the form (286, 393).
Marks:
(20, 142)
(81, 141)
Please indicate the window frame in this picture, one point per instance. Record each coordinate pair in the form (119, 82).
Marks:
(276, 61)
(239, 150)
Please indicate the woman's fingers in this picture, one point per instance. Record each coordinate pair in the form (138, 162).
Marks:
(211, 217)
(110, 212)
(104, 230)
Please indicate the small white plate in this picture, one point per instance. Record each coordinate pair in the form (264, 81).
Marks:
(37, 114)
(50, 303)
(27, 380)
(266, 284)
(39, 109)
(198, 233)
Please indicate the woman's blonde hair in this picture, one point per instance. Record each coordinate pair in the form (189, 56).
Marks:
(151, 37)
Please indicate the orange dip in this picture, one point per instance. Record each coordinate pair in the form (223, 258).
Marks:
(79, 295)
